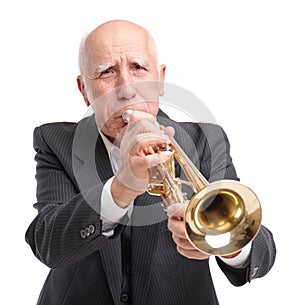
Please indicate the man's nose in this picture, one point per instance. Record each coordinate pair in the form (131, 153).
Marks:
(125, 87)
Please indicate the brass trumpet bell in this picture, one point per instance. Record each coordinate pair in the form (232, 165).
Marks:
(222, 218)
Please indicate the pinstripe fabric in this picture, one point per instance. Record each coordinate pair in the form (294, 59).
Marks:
(88, 270)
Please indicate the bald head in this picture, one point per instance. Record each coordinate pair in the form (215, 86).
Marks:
(114, 33)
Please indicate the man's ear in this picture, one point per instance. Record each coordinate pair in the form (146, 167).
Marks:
(80, 85)
(162, 70)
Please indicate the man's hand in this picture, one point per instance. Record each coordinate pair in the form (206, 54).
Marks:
(176, 226)
(137, 148)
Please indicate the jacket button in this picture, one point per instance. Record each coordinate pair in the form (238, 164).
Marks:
(82, 234)
(92, 229)
(87, 231)
(124, 297)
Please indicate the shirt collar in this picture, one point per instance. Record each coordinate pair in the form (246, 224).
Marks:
(109, 145)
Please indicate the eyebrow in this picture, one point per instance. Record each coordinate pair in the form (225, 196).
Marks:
(141, 61)
(102, 67)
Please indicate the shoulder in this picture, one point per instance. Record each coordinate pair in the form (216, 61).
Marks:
(56, 127)
(56, 134)
(207, 135)
(53, 132)
(201, 128)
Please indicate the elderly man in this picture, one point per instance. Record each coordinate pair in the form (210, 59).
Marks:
(106, 240)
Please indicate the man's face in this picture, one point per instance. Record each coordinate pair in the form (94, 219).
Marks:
(121, 72)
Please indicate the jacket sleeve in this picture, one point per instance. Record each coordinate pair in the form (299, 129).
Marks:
(67, 227)
(217, 164)
(262, 258)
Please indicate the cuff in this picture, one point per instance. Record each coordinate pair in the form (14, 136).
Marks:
(111, 213)
(241, 260)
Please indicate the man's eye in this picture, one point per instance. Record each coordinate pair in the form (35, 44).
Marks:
(106, 73)
(138, 67)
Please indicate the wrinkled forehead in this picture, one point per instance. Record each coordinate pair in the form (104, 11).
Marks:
(109, 42)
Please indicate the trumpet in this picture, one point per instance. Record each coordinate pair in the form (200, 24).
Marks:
(221, 217)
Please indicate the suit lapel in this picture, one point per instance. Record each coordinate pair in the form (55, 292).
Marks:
(90, 161)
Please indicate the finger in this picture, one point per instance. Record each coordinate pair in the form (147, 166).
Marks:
(176, 210)
(177, 227)
(192, 254)
(144, 144)
(151, 139)
(183, 243)
(149, 150)
(157, 158)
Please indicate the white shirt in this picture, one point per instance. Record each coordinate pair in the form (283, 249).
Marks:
(111, 213)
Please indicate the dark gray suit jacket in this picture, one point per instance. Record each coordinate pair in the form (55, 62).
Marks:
(86, 267)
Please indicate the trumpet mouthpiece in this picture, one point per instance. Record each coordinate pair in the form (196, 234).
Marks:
(126, 115)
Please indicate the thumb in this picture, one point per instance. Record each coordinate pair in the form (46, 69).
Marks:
(176, 210)
(169, 131)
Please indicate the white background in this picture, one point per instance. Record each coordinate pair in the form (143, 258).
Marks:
(241, 58)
